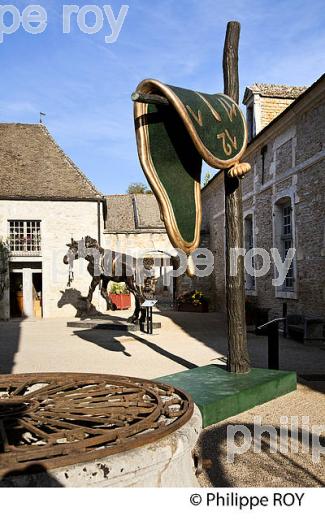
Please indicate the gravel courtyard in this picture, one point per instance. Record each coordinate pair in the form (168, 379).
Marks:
(284, 468)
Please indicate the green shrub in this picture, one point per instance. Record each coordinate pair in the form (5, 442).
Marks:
(118, 288)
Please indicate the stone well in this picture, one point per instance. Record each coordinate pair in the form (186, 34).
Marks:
(78, 430)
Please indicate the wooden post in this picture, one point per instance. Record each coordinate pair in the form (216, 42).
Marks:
(238, 357)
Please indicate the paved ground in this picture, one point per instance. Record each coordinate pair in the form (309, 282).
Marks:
(186, 340)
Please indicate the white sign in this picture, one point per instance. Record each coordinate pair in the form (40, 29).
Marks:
(149, 303)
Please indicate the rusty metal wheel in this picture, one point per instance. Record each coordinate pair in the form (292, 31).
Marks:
(58, 419)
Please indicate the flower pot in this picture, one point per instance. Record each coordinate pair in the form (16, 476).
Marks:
(121, 301)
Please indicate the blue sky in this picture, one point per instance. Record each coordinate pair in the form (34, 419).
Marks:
(84, 85)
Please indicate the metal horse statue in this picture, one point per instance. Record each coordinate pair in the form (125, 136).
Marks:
(141, 291)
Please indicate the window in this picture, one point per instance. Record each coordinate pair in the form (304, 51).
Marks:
(263, 154)
(25, 237)
(286, 212)
(250, 122)
(284, 230)
(249, 244)
(287, 243)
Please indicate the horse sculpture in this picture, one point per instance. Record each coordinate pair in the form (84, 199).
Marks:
(119, 271)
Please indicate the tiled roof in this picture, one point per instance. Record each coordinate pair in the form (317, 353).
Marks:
(32, 165)
(120, 213)
(127, 213)
(147, 211)
(271, 90)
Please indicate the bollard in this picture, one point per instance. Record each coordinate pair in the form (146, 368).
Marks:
(272, 330)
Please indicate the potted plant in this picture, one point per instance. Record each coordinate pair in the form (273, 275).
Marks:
(193, 301)
(120, 296)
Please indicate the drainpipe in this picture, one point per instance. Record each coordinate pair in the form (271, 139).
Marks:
(98, 222)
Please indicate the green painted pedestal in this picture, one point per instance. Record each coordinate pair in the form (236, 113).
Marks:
(220, 394)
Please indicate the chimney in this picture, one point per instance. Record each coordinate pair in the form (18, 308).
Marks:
(264, 102)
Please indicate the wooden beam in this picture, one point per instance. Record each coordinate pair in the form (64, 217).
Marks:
(238, 357)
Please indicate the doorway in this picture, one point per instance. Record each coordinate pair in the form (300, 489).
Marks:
(16, 295)
(26, 289)
(37, 294)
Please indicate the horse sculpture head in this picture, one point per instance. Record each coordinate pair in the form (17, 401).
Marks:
(80, 249)
(84, 248)
(72, 253)
(69, 257)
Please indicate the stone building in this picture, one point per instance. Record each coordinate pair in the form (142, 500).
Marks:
(133, 224)
(44, 201)
(133, 221)
(265, 102)
(283, 198)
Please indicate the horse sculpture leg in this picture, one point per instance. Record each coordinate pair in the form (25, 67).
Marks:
(135, 316)
(133, 290)
(139, 313)
(94, 283)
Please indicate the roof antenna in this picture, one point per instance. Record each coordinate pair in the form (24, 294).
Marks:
(41, 115)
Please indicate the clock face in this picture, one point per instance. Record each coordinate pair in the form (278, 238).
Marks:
(219, 124)
(173, 139)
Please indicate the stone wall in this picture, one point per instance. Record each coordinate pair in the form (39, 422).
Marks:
(294, 164)
(144, 240)
(185, 284)
(271, 107)
(213, 223)
(59, 222)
